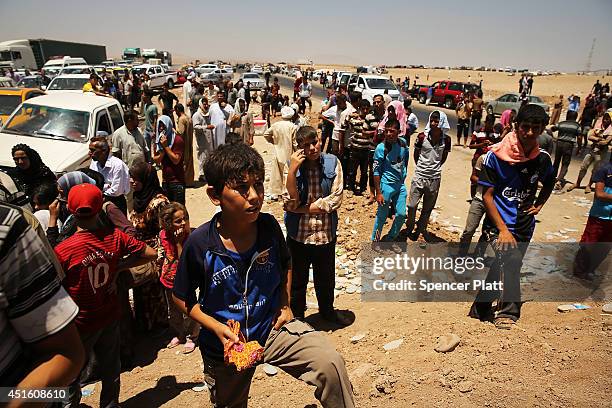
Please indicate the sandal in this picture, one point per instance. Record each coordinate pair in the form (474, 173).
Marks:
(504, 323)
(173, 343)
(189, 346)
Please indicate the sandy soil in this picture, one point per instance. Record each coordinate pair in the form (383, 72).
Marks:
(549, 360)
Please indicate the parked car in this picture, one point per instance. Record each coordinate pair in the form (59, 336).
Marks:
(228, 68)
(257, 68)
(159, 76)
(217, 75)
(68, 83)
(33, 81)
(256, 81)
(512, 101)
(447, 93)
(10, 98)
(205, 68)
(59, 127)
(77, 69)
(370, 85)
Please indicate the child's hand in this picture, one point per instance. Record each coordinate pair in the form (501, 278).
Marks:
(297, 158)
(225, 334)
(380, 199)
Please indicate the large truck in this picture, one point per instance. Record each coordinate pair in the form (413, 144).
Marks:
(149, 54)
(132, 54)
(33, 53)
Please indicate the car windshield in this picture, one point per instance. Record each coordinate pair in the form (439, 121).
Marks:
(380, 83)
(73, 70)
(251, 76)
(28, 83)
(8, 103)
(67, 84)
(535, 99)
(46, 121)
(138, 71)
(52, 71)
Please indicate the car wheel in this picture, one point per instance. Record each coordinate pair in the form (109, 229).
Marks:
(422, 98)
(490, 110)
(170, 84)
(448, 102)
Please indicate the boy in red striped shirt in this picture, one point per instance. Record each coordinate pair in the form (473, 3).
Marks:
(92, 258)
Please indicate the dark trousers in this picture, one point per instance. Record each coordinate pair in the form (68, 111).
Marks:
(344, 159)
(371, 171)
(563, 156)
(475, 120)
(323, 261)
(175, 192)
(463, 128)
(119, 201)
(104, 343)
(505, 268)
(359, 158)
(326, 134)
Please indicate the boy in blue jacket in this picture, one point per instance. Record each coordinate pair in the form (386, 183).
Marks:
(240, 262)
(390, 169)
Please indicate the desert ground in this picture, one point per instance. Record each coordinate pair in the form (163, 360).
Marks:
(549, 359)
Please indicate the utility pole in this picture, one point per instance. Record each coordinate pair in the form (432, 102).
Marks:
(588, 63)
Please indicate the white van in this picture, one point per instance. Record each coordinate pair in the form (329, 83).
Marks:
(64, 62)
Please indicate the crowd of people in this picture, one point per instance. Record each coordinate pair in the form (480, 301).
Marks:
(78, 245)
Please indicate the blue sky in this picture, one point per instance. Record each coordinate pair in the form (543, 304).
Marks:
(534, 34)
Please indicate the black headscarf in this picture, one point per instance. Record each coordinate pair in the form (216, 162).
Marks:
(145, 173)
(37, 174)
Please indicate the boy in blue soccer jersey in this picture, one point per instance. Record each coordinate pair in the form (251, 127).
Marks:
(510, 175)
(241, 265)
(390, 168)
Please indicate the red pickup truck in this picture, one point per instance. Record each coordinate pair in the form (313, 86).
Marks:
(447, 93)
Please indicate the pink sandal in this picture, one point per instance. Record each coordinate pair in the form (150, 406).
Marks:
(189, 346)
(173, 343)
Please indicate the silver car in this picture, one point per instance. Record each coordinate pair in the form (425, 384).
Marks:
(512, 101)
(256, 81)
(217, 75)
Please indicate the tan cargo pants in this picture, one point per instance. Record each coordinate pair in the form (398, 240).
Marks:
(298, 350)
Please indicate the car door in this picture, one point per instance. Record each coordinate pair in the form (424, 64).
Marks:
(103, 123)
(116, 116)
(512, 102)
(161, 76)
(438, 94)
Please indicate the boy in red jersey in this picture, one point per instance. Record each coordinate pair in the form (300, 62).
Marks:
(92, 258)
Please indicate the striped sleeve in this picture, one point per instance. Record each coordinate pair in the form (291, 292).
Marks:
(32, 299)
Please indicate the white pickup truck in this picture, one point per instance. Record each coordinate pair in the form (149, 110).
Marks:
(159, 76)
(59, 128)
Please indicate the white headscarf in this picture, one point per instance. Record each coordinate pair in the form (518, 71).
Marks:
(443, 125)
(237, 110)
(287, 112)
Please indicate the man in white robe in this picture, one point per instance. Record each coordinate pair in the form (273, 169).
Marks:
(220, 113)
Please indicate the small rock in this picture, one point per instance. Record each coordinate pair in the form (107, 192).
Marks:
(465, 386)
(447, 343)
(270, 369)
(361, 370)
(392, 345)
(358, 337)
